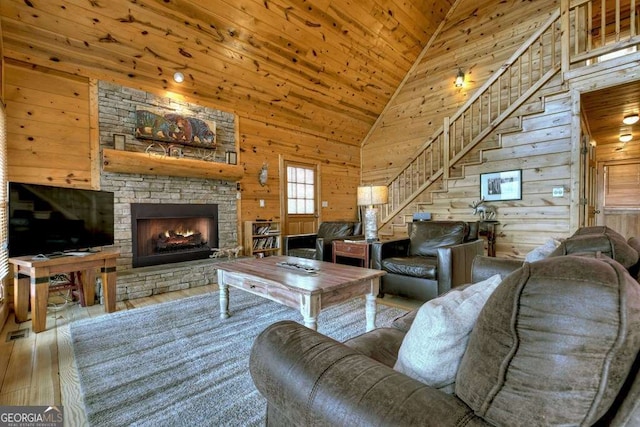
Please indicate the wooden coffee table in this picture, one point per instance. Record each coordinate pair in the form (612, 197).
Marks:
(308, 292)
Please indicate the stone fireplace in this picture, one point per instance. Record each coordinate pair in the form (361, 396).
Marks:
(168, 233)
(135, 278)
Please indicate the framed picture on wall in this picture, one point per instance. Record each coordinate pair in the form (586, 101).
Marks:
(499, 186)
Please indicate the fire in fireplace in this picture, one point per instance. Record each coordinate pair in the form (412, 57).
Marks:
(167, 233)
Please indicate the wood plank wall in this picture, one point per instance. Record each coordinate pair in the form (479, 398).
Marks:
(306, 79)
(48, 127)
(50, 139)
(474, 41)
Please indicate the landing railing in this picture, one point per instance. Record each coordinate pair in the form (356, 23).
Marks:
(599, 27)
(522, 74)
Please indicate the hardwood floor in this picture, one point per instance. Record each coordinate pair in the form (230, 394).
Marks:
(37, 369)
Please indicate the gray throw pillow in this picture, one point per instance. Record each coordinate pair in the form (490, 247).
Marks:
(433, 347)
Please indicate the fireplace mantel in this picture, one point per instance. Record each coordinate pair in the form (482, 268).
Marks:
(121, 161)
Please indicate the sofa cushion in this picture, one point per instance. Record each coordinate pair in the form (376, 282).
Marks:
(380, 344)
(427, 236)
(335, 229)
(553, 344)
(309, 253)
(415, 266)
(595, 240)
(405, 321)
(433, 347)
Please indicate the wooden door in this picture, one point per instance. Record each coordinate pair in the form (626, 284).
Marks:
(619, 195)
(300, 197)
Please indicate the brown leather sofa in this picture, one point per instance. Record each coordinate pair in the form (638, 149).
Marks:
(435, 257)
(558, 342)
(319, 245)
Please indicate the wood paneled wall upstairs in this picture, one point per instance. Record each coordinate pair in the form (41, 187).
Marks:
(477, 38)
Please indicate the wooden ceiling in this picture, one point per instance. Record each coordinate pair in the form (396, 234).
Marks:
(327, 67)
(604, 110)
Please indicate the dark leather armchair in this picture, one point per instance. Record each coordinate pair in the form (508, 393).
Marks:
(435, 257)
(318, 245)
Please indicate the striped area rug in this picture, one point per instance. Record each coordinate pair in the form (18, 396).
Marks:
(179, 364)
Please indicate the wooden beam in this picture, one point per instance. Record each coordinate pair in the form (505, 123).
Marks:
(150, 164)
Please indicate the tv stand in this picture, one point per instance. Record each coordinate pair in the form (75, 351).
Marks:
(31, 281)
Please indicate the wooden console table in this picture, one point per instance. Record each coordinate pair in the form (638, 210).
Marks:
(31, 279)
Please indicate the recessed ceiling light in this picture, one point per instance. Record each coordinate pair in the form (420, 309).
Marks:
(630, 119)
(626, 137)
(178, 77)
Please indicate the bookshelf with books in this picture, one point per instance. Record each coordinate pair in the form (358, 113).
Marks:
(262, 238)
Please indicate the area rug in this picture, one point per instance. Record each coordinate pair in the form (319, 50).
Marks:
(179, 364)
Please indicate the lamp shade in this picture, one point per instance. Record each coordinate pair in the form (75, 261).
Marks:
(369, 195)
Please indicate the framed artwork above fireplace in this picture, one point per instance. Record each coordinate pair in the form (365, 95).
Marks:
(154, 124)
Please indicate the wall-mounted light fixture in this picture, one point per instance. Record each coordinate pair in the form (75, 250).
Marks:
(263, 175)
(625, 137)
(630, 119)
(459, 78)
(178, 77)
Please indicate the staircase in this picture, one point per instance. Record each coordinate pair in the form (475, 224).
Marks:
(576, 33)
(496, 108)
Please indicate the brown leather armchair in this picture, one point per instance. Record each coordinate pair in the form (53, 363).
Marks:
(319, 245)
(435, 257)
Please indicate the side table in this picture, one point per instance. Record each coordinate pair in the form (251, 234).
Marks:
(488, 229)
(31, 281)
(358, 249)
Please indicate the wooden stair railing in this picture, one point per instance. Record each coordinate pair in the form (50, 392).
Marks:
(522, 75)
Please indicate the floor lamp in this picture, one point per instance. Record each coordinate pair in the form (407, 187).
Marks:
(370, 196)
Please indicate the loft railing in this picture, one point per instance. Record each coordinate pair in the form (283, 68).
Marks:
(522, 74)
(598, 27)
(580, 33)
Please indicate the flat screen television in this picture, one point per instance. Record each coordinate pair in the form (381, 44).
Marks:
(51, 220)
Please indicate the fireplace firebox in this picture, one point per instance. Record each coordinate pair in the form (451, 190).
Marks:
(168, 233)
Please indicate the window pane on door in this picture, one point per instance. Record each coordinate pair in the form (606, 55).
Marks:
(301, 190)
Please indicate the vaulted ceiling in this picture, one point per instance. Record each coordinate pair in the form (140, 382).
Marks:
(327, 67)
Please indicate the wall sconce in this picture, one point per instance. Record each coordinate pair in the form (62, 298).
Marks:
(625, 137)
(370, 195)
(459, 78)
(263, 175)
(178, 77)
(630, 119)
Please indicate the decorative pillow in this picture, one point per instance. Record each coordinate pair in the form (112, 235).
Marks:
(554, 343)
(541, 252)
(433, 347)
